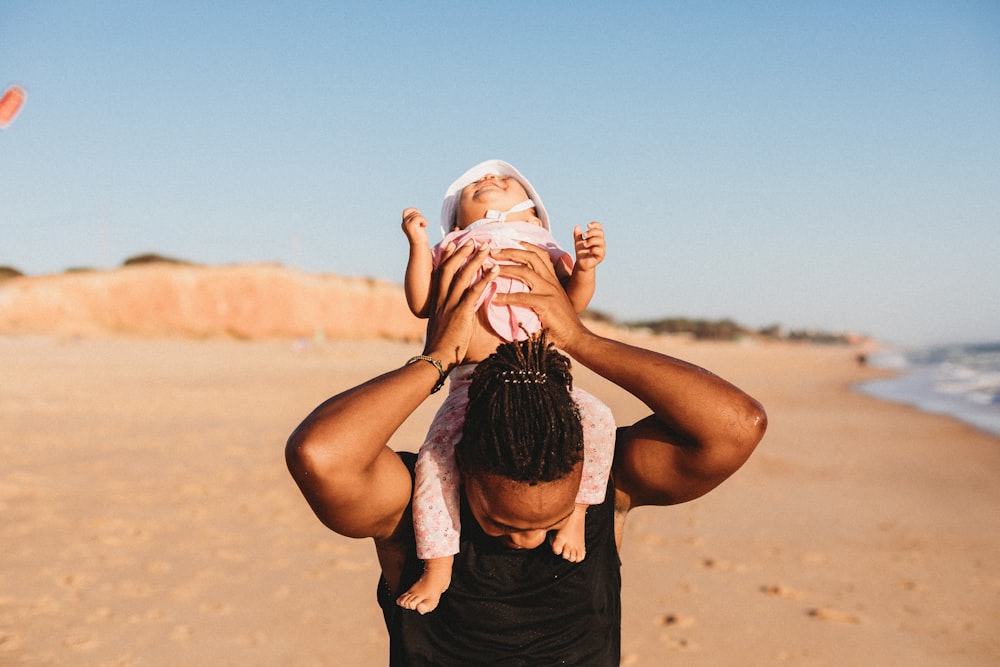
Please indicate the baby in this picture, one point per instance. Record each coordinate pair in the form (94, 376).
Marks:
(493, 204)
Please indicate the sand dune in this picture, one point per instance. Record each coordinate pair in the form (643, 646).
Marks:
(242, 301)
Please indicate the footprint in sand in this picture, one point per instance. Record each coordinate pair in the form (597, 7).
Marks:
(255, 639)
(681, 645)
(913, 586)
(72, 580)
(100, 615)
(81, 643)
(216, 608)
(158, 567)
(149, 616)
(346, 565)
(722, 565)
(44, 606)
(675, 621)
(184, 592)
(833, 615)
(135, 589)
(815, 558)
(777, 590)
(9, 642)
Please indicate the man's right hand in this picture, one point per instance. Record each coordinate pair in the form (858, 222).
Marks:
(545, 294)
(454, 296)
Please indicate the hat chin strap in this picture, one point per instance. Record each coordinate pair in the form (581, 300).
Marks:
(501, 216)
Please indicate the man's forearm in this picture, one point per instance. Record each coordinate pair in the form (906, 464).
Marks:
(688, 399)
(701, 431)
(338, 455)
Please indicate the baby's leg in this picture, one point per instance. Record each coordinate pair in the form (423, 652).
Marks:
(570, 541)
(599, 447)
(436, 504)
(425, 595)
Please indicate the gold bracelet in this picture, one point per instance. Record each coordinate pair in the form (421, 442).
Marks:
(436, 364)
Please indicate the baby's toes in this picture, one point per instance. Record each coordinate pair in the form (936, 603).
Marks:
(559, 547)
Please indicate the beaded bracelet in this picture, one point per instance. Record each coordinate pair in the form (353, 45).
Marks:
(436, 364)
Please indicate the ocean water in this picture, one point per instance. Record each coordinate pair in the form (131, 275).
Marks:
(958, 380)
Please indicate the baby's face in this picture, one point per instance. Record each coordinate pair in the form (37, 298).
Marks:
(499, 193)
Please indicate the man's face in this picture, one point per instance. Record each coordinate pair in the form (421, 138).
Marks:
(519, 514)
(500, 193)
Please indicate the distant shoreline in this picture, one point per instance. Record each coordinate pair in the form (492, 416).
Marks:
(961, 381)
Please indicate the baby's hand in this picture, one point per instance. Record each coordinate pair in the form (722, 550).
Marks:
(415, 226)
(589, 245)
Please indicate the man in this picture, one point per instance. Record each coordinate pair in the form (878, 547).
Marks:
(511, 600)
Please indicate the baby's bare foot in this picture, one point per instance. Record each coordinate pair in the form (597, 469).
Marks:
(574, 553)
(570, 541)
(425, 594)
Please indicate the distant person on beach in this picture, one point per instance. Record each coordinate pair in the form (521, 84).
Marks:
(511, 600)
(493, 205)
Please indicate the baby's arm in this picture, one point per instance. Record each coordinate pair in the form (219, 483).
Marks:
(420, 265)
(590, 248)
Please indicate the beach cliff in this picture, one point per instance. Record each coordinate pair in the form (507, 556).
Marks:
(251, 301)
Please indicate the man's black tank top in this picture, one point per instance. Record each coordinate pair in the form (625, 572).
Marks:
(514, 608)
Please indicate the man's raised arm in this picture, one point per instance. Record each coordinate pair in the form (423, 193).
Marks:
(702, 428)
(701, 431)
(338, 456)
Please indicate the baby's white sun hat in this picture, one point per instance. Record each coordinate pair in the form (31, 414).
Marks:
(449, 207)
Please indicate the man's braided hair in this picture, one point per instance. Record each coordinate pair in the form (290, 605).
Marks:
(521, 422)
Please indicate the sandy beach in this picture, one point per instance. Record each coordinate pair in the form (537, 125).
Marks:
(148, 518)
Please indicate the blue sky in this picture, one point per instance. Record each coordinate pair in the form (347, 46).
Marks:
(817, 165)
